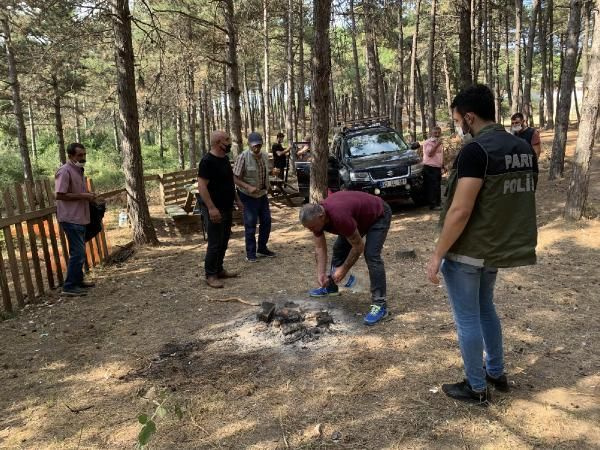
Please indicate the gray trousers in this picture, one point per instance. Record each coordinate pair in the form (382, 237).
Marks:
(375, 238)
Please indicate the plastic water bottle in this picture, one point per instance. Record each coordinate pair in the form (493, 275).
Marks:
(123, 219)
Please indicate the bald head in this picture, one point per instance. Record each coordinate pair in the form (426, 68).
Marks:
(218, 138)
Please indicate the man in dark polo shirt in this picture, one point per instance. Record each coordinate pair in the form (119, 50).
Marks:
(216, 188)
(350, 215)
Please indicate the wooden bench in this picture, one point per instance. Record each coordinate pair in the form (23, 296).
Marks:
(175, 196)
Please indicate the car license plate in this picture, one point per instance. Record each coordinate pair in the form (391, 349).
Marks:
(393, 183)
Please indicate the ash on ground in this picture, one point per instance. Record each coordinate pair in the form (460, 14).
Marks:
(299, 323)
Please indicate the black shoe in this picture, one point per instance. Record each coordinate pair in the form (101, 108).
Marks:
(462, 391)
(265, 253)
(500, 383)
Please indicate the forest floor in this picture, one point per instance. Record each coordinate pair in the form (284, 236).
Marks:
(76, 373)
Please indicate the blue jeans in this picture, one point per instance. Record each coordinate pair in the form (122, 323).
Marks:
(471, 292)
(76, 237)
(255, 210)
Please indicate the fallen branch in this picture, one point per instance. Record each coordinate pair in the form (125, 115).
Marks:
(78, 410)
(231, 299)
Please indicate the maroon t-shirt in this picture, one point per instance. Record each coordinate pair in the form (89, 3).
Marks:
(349, 210)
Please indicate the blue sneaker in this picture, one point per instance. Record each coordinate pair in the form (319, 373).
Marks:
(350, 282)
(324, 291)
(377, 313)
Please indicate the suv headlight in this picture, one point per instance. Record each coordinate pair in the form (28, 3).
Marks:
(416, 168)
(360, 176)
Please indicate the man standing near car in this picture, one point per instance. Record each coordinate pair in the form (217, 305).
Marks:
(251, 175)
(488, 222)
(216, 188)
(433, 162)
(73, 214)
(280, 155)
(350, 215)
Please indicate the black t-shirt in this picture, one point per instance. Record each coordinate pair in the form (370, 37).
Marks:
(219, 174)
(278, 161)
(472, 162)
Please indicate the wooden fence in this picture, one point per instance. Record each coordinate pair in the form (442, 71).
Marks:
(36, 248)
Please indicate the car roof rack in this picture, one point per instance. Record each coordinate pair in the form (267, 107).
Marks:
(366, 122)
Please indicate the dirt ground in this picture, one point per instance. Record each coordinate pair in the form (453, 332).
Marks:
(78, 372)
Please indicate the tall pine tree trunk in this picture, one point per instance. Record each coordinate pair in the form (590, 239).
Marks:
(116, 138)
(143, 231)
(430, 67)
(226, 100)
(161, 134)
(58, 123)
(266, 91)
(549, 96)
(191, 116)
(13, 82)
(247, 98)
(588, 132)
(371, 53)
(400, 104)
(321, 73)
(301, 81)
(179, 135)
(464, 43)
(201, 124)
(421, 96)
(527, 107)
(289, 116)
(77, 122)
(448, 89)
(234, 77)
(507, 58)
(544, 63)
(413, 76)
(557, 161)
(32, 130)
(357, 84)
(517, 55)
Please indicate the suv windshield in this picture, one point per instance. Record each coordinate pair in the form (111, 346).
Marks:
(376, 143)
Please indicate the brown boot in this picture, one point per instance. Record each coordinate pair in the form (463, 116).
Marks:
(213, 282)
(226, 274)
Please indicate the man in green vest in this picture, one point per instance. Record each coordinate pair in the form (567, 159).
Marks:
(251, 176)
(488, 222)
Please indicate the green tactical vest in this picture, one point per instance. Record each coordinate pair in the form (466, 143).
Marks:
(251, 175)
(502, 229)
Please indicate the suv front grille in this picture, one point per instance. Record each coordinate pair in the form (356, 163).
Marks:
(380, 173)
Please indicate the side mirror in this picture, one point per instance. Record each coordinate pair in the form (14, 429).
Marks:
(415, 146)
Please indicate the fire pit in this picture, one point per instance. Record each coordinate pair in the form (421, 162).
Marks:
(294, 323)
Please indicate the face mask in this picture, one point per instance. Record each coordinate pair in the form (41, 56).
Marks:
(516, 128)
(80, 163)
(227, 148)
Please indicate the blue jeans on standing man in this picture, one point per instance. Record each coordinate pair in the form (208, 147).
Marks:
(76, 237)
(471, 292)
(255, 210)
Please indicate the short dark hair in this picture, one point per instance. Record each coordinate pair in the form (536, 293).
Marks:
(477, 99)
(280, 134)
(72, 148)
(517, 115)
